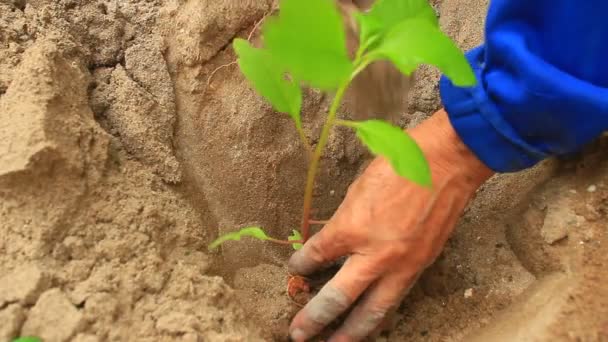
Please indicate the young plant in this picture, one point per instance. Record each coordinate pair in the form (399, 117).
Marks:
(305, 45)
(27, 339)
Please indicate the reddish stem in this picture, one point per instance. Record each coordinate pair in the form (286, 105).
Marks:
(314, 163)
(284, 242)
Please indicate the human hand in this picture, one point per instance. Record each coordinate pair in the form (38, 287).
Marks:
(391, 229)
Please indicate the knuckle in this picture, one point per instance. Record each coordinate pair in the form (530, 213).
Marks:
(385, 257)
(317, 251)
(419, 257)
(400, 249)
(393, 253)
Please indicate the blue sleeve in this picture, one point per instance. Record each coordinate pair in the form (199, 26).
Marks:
(542, 82)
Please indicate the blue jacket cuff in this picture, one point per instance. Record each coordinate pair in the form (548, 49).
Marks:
(480, 125)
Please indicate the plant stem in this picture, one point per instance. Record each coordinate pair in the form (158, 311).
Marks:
(305, 142)
(283, 242)
(362, 48)
(360, 66)
(346, 123)
(360, 63)
(316, 157)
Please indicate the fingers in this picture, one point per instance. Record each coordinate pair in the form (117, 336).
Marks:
(322, 248)
(334, 298)
(380, 300)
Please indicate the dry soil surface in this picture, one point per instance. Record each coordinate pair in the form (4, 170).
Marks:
(121, 158)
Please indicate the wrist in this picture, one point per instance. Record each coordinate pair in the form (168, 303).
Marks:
(446, 152)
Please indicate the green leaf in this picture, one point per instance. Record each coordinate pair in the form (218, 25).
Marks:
(268, 78)
(415, 42)
(386, 14)
(255, 232)
(295, 236)
(27, 339)
(397, 147)
(308, 38)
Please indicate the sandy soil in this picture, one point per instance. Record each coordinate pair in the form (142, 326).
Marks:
(120, 159)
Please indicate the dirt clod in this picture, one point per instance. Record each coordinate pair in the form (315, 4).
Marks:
(137, 103)
(53, 318)
(468, 293)
(11, 319)
(176, 323)
(23, 285)
(560, 219)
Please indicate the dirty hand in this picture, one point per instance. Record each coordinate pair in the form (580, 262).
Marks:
(391, 229)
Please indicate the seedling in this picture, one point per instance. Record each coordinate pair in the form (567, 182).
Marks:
(27, 339)
(305, 45)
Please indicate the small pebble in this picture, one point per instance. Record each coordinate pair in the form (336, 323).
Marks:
(468, 293)
(332, 192)
(572, 191)
(591, 188)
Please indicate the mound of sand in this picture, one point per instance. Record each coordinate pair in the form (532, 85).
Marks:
(120, 159)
